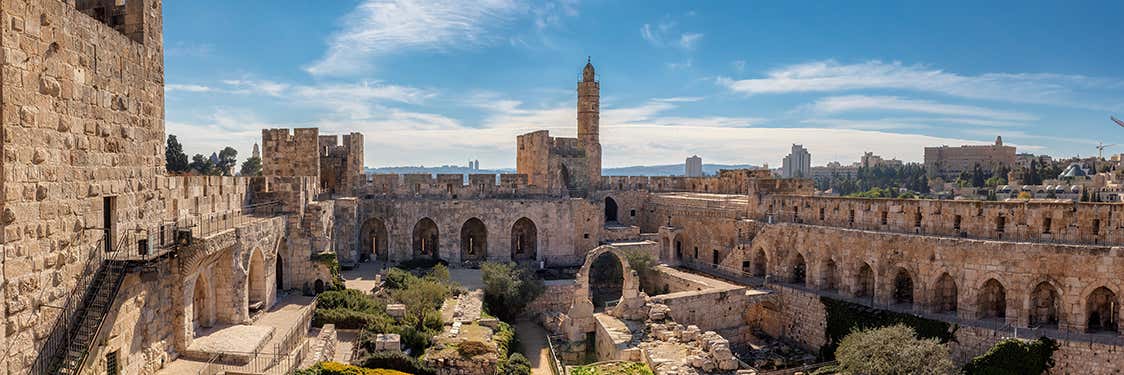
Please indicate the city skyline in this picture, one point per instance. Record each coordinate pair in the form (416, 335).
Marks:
(449, 82)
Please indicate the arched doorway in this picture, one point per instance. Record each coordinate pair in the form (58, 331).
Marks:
(944, 297)
(256, 280)
(1043, 306)
(830, 276)
(200, 306)
(373, 240)
(864, 286)
(606, 280)
(799, 271)
(524, 240)
(992, 301)
(474, 241)
(1101, 310)
(903, 288)
(425, 239)
(610, 210)
(679, 247)
(279, 274)
(760, 264)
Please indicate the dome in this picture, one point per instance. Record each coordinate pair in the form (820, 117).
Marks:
(588, 74)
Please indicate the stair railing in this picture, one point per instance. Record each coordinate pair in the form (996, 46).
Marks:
(59, 338)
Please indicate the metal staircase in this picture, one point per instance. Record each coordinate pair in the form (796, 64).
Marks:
(90, 316)
(84, 313)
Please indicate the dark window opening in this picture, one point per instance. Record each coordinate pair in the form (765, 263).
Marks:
(1046, 224)
(885, 217)
(956, 223)
(111, 365)
(1000, 223)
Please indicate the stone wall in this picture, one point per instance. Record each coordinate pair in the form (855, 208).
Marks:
(710, 304)
(557, 297)
(82, 109)
(552, 220)
(1077, 223)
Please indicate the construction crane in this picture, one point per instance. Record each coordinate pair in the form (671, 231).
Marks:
(1101, 147)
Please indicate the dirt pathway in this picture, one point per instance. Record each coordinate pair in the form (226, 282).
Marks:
(533, 339)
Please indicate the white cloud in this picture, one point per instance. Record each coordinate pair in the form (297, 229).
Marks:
(171, 87)
(829, 76)
(380, 27)
(838, 104)
(688, 40)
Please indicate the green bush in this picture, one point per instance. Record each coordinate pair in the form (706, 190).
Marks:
(348, 299)
(421, 263)
(395, 361)
(517, 364)
(508, 288)
(892, 350)
(349, 319)
(335, 368)
(1014, 356)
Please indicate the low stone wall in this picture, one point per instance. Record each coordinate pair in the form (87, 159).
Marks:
(557, 297)
(803, 318)
(710, 304)
(679, 281)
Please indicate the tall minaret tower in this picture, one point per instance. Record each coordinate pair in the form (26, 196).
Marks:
(589, 122)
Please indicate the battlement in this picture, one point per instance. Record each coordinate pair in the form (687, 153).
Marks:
(740, 181)
(341, 164)
(1063, 222)
(127, 17)
(452, 186)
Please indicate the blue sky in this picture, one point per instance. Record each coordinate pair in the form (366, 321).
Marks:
(441, 82)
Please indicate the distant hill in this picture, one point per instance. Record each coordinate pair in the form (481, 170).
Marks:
(639, 170)
(669, 169)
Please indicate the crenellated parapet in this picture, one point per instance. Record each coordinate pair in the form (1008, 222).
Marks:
(453, 186)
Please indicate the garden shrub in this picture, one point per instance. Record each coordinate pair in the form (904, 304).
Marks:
(517, 364)
(335, 368)
(508, 288)
(892, 350)
(395, 361)
(1014, 356)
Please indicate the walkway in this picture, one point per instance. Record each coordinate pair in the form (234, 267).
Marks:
(533, 339)
(364, 276)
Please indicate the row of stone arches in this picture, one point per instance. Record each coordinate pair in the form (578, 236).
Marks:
(204, 305)
(1098, 311)
(425, 240)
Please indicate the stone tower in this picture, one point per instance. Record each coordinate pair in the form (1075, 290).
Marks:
(589, 122)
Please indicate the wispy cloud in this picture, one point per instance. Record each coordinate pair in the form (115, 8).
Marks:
(849, 103)
(172, 87)
(379, 27)
(831, 76)
(665, 34)
(688, 40)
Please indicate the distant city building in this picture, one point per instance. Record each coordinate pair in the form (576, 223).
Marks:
(835, 169)
(869, 159)
(694, 167)
(950, 162)
(798, 163)
(257, 151)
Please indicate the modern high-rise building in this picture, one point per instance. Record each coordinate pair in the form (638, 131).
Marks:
(694, 167)
(798, 163)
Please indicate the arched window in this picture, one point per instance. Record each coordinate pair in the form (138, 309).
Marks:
(1101, 310)
(799, 270)
(524, 240)
(992, 302)
(1044, 306)
(426, 243)
(760, 264)
(864, 286)
(945, 294)
(474, 241)
(830, 276)
(903, 287)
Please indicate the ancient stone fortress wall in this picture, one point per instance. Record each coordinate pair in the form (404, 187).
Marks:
(290, 153)
(553, 163)
(453, 186)
(1079, 223)
(82, 109)
(536, 230)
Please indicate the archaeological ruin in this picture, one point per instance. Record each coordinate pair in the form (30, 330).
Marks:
(111, 265)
